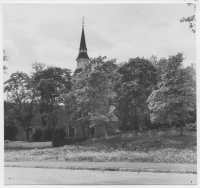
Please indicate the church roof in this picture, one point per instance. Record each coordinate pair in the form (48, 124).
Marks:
(83, 43)
(82, 55)
(83, 49)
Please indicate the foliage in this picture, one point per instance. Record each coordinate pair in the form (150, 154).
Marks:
(191, 19)
(192, 126)
(37, 134)
(101, 94)
(175, 96)
(132, 146)
(47, 133)
(5, 58)
(138, 79)
(22, 94)
(72, 140)
(52, 83)
(38, 67)
(77, 103)
(80, 153)
(10, 129)
(58, 136)
(91, 100)
(160, 66)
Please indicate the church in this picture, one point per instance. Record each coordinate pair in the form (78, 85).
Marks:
(82, 59)
(73, 131)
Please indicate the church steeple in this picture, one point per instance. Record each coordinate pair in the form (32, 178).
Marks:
(82, 58)
(83, 47)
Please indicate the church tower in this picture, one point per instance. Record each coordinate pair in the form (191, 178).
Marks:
(82, 58)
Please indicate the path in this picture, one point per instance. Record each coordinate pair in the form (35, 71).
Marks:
(114, 166)
(19, 176)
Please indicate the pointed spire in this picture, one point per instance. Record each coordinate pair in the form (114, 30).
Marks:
(82, 48)
(83, 22)
(83, 43)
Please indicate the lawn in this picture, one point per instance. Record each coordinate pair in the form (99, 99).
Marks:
(151, 146)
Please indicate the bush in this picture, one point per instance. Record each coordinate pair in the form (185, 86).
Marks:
(47, 134)
(126, 128)
(192, 126)
(37, 134)
(58, 136)
(72, 140)
(157, 125)
(10, 129)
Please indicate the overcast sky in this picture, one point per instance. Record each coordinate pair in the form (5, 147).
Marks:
(50, 33)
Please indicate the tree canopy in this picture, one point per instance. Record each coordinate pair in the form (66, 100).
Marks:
(176, 93)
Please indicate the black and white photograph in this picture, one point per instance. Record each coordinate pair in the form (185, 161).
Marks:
(99, 92)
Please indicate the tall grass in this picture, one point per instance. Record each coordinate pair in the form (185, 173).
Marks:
(80, 153)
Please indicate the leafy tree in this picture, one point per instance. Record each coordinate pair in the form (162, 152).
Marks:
(175, 97)
(77, 101)
(52, 83)
(160, 66)
(191, 19)
(71, 109)
(89, 102)
(38, 67)
(138, 79)
(22, 95)
(100, 91)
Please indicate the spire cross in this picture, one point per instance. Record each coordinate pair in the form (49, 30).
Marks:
(83, 21)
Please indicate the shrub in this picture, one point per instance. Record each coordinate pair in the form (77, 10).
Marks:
(58, 136)
(37, 134)
(126, 128)
(192, 126)
(72, 140)
(10, 129)
(47, 134)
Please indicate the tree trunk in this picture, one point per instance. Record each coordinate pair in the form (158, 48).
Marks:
(123, 124)
(181, 128)
(27, 135)
(83, 131)
(89, 135)
(106, 132)
(43, 121)
(136, 119)
(140, 125)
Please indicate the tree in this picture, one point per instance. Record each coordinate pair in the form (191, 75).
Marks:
(100, 92)
(160, 66)
(38, 67)
(52, 83)
(93, 95)
(22, 95)
(76, 110)
(138, 79)
(81, 105)
(175, 97)
(191, 19)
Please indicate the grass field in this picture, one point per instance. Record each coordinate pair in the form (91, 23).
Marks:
(151, 146)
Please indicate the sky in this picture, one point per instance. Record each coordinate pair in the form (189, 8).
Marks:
(50, 33)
